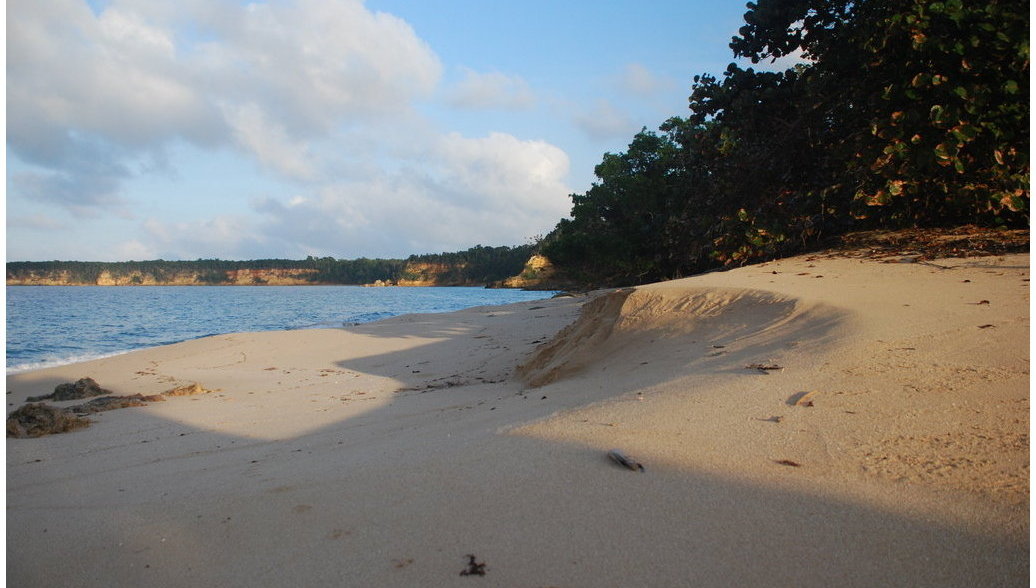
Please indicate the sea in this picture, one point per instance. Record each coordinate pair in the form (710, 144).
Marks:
(55, 325)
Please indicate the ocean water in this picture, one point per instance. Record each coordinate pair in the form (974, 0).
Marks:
(55, 325)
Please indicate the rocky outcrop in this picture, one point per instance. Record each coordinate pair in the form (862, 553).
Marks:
(106, 403)
(37, 420)
(537, 270)
(82, 388)
(539, 274)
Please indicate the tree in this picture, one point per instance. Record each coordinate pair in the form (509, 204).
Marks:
(935, 100)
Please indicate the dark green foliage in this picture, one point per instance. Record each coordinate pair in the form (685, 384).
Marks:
(910, 113)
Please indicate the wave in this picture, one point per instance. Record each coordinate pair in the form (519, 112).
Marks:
(50, 362)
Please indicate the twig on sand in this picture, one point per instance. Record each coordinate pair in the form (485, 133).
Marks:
(625, 460)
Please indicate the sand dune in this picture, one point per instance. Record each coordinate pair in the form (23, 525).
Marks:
(812, 421)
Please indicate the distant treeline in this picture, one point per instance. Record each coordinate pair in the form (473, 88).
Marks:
(478, 265)
(898, 115)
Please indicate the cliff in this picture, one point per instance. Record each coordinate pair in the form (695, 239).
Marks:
(477, 268)
(435, 274)
(244, 277)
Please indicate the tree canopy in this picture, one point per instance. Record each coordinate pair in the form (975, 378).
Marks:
(906, 113)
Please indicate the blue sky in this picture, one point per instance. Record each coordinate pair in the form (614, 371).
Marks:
(146, 129)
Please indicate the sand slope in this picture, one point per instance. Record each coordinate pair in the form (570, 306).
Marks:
(884, 443)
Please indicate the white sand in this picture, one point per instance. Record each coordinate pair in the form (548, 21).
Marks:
(381, 455)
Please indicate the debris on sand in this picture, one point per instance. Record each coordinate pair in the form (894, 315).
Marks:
(37, 420)
(188, 390)
(764, 367)
(625, 461)
(83, 388)
(474, 568)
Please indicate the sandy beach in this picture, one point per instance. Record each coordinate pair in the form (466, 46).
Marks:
(821, 420)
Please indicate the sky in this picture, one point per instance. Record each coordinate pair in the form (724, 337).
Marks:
(149, 129)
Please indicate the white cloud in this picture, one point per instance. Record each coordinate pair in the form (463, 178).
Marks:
(638, 80)
(496, 190)
(269, 142)
(796, 57)
(502, 173)
(605, 121)
(452, 194)
(319, 93)
(492, 90)
(266, 77)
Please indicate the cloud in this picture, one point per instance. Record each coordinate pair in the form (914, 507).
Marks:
(319, 94)
(796, 57)
(458, 192)
(493, 90)
(84, 179)
(637, 80)
(496, 190)
(605, 121)
(139, 76)
(269, 142)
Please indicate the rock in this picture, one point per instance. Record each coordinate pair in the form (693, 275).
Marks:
(83, 388)
(113, 402)
(37, 420)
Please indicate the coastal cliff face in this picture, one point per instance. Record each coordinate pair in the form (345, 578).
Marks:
(537, 274)
(434, 274)
(275, 277)
(247, 277)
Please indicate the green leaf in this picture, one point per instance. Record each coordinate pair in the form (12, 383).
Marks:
(1011, 87)
(965, 132)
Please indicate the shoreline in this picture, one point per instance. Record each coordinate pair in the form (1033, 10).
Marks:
(46, 353)
(800, 422)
